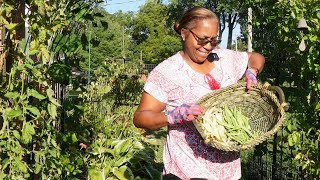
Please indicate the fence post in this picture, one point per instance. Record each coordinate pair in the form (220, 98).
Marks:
(274, 156)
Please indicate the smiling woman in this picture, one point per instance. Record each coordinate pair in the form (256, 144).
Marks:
(173, 88)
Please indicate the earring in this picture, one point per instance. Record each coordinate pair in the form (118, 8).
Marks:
(183, 38)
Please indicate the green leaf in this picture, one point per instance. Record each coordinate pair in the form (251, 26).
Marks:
(37, 168)
(34, 45)
(54, 143)
(45, 54)
(294, 138)
(10, 27)
(36, 94)
(27, 132)
(290, 140)
(121, 161)
(122, 145)
(52, 110)
(16, 134)
(110, 151)
(318, 104)
(289, 126)
(74, 138)
(2, 175)
(29, 128)
(21, 166)
(5, 163)
(107, 170)
(34, 111)
(60, 73)
(54, 152)
(123, 173)
(33, 52)
(298, 156)
(293, 15)
(50, 95)
(95, 174)
(14, 113)
(2, 143)
(56, 27)
(12, 95)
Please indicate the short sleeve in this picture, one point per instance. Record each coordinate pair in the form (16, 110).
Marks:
(155, 86)
(240, 63)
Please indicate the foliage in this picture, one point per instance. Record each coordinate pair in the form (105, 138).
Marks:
(45, 137)
(153, 37)
(277, 37)
(125, 77)
(131, 36)
(239, 44)
(115, 149)
(29, 110)
(106, 43)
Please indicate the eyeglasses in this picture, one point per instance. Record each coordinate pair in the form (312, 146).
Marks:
(203, 41)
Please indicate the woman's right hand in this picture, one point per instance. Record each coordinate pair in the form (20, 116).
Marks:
(149, 114)
(185, 112)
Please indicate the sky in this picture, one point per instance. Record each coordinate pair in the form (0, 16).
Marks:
(113, 6)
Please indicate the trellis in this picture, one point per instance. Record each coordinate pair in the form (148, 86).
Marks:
(2, 48)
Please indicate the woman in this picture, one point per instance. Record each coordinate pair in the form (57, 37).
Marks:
(174, 86)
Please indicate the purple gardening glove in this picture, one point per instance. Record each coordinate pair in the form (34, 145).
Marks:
(185, 112)
(251, 77)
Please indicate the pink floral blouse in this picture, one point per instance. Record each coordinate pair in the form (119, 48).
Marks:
(174, 82)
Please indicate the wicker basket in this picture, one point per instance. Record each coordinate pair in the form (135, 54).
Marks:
(266, 111)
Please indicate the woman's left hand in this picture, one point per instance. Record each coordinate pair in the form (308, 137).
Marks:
(251, 77)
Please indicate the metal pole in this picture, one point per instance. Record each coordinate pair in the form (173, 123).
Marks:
(141, 55)
(123, 53)
(249, 29)
(236, 43)
(89, 54)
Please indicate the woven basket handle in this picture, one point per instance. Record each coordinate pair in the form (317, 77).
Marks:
(280, 95)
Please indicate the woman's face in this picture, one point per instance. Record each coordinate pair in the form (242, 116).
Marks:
(200, 40)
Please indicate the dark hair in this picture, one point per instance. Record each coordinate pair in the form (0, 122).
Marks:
(191, 16)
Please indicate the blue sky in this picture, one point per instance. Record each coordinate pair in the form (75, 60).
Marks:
(113, 6)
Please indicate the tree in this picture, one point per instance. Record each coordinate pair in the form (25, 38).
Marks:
(151, 34)
(108, 41)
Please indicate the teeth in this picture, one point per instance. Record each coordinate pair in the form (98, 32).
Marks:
(204, 53)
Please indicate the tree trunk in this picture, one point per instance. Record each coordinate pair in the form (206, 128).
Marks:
(222, 24)
(231, 23)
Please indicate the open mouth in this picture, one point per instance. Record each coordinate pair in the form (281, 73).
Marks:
(204, 54)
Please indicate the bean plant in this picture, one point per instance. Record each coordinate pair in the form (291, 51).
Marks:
(46, 136)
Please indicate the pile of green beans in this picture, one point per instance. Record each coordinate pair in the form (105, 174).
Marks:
(237, 125)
